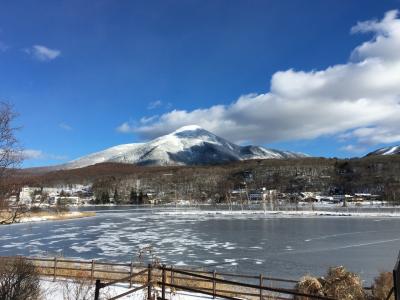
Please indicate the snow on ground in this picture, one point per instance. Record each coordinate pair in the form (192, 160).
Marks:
(56, 290)
(281, 213)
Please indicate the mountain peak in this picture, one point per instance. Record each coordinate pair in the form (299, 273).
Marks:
(188, 145)
(188, 128)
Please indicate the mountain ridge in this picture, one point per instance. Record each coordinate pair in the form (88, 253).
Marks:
(393, 150)
(188, 145)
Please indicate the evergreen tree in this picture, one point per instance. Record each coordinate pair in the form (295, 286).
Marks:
(133, 197)
(116, 196)
(140, 199)
(105, 198)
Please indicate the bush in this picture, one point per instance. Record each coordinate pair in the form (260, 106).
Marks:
(342, 284)
(19, 280)
(309, 285)
(382, 286)
(77, 289)
(35, 209)
(338, 283)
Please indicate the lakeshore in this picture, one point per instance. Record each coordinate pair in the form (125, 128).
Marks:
(39, 216)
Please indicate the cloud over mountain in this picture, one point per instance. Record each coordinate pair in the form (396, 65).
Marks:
(357, 101)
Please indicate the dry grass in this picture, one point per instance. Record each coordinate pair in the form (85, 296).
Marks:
(309, 285)
(382, 286)
(47, 215)
(342, 284)
(59, 216)
(338, 284)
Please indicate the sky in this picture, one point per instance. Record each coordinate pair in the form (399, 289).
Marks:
(319, 77)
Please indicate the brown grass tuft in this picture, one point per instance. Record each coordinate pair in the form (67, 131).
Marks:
(382, 286)
(309, 285)
(342, 284)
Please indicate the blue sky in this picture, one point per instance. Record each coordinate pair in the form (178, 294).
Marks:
(87, 75)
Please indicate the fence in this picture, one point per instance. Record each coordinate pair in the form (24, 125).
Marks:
(168, 277)
(157, 279)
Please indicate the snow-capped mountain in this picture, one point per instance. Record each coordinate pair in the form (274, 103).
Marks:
(386, 151)
(189, 145)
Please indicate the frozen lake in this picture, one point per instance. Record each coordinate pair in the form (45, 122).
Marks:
(287, 247)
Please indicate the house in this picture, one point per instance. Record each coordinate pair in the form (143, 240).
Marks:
(64, 200)
(262, 194)
(26, 194)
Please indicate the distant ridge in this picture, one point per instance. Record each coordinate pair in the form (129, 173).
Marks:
(188, 145)
(386, 151)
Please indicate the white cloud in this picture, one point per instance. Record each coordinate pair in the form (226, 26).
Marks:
(32, 154)
(353, 148)
(43, 53)
(357, 100)
(65, 126)
(125, 128)
(154, 104)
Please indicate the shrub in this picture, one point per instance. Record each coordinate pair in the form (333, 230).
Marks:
(338, 283)
(309, 285)
(382, 286)
(342, 284)
(77, 289)
(35, 209)
(19, 280)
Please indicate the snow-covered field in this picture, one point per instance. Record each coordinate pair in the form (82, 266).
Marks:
(58, 290)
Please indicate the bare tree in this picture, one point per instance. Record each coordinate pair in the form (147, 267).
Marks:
(10, 155)
(10, 158)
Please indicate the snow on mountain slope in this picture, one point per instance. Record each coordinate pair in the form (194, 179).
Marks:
(189, 145)
(386, 151)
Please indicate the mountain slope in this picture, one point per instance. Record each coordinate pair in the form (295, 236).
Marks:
(189, 145)
(386, 151)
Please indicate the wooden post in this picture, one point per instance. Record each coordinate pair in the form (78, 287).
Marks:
(92, 272)
(172, 274)
(164, 278)
(130, 274)
(97, 290)
(261, 285)
(149, 282)
(55, 268)
(395, 287)
(214, 283)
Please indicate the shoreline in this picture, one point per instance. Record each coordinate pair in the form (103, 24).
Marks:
(38, 217)
(282, 213)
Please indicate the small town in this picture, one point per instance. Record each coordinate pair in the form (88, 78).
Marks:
(83, 195)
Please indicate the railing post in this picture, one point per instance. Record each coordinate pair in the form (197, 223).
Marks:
(172, 274)
(149, 282)
(130, 274)
(55, 269)
(261, 286)
(395, 287)
(164, 278)
(97, 290)
(92, 272)
(214, 283)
